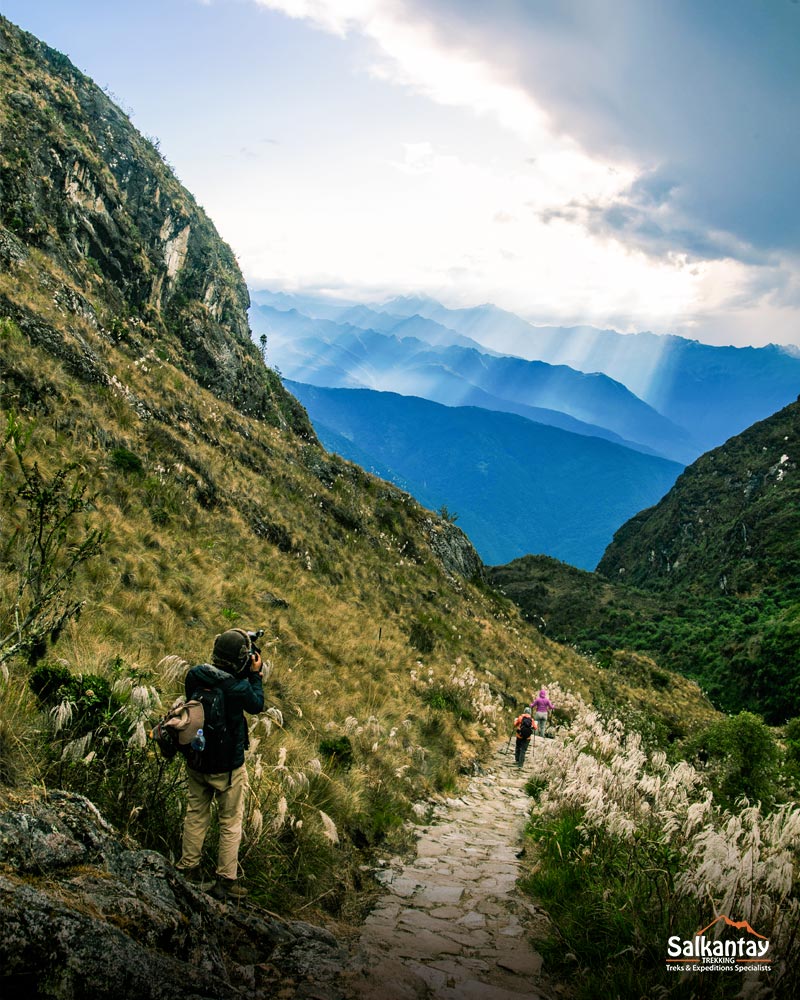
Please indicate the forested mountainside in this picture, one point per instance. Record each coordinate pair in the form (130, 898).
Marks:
(706, 580)
(730, 524)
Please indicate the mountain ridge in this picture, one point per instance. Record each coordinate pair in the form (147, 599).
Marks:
(478, 462)
(109, 199)
(735, 386)
(705, 581)
(712, 392)
(338, 355)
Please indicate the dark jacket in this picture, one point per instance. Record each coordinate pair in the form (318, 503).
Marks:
(244, 694)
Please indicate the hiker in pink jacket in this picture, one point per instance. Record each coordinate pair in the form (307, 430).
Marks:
(540, 706)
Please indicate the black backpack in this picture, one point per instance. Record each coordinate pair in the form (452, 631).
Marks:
(525, 727)
(216, 755)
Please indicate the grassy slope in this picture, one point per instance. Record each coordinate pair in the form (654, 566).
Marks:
(219, 507)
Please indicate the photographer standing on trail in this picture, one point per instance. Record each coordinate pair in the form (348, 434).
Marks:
(227, 689)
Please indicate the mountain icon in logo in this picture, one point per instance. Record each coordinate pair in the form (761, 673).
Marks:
(739, 925)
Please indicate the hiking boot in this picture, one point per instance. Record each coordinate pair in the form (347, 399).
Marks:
(228, 888)
(195, 877)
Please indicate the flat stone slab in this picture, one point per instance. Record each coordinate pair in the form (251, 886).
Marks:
(446, 912)
(423, 920)
(404, 887)
(425, 944)
(440, 894)
(464, 967)
(521, 962)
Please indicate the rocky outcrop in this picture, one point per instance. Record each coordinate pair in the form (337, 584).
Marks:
(113, 226)
(454, 550)
(85, 914)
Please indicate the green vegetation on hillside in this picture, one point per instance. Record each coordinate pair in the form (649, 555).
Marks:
(743, 652)
(707, 582)
(631, 851)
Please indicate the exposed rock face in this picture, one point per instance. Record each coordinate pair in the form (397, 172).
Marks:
(117, 233)
(83, 914)
(454, 550)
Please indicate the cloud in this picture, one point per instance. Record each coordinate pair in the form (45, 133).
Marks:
(701, 97)
(409, 53)
(648, 216)
(697, 100)
(336, 16)
(656, 167)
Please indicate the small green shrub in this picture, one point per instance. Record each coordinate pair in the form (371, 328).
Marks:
(126, 461)
(534, 787)
(422, 637)
(449, 698)
(742, 758)
(91, 694)
(47, 680)
(164, 499)
(337, 751)
(384, 812)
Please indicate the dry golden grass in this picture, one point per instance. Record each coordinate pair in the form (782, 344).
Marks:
(232, 522)
(389, 678)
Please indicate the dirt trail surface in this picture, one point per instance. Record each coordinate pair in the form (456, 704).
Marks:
(452, 924)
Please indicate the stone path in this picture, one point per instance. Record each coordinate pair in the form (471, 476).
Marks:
(452, 926)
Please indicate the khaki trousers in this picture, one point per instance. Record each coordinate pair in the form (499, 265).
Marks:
(201, 791)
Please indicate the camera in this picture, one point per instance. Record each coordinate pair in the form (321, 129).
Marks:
(252, 636)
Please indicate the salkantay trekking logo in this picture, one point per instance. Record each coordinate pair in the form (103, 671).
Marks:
(747, 952)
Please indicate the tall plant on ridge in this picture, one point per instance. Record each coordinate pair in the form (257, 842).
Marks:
(42, 543)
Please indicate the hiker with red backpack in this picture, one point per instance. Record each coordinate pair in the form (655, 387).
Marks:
(525, 728)
(226, 688)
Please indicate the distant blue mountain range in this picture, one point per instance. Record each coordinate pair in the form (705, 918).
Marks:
(516, 486)
(709, 393)
(630, 410)
(337, 354)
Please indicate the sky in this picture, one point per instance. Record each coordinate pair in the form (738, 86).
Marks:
(630, 164)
